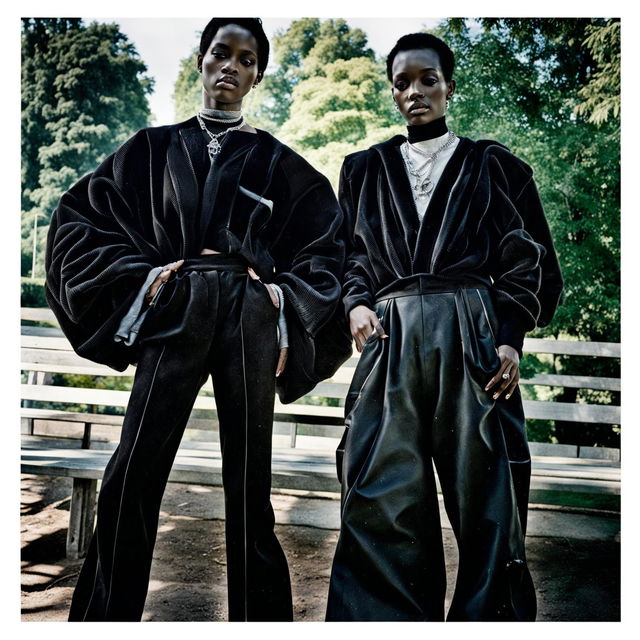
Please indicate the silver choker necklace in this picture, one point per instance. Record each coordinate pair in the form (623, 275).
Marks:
(218, 115)
(424, 186)
(213, 148)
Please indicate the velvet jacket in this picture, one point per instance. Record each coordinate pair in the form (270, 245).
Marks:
(156, 199)
(484, 222)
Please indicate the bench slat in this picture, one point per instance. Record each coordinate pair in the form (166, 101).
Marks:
(33, 340)
(312, 470)
(574, 382)
(38, 314)
(112, 398)
(591, 413)
(572, 347)
(533, 408)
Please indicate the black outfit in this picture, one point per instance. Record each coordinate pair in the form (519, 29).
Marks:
(153, 202)
(476, 273)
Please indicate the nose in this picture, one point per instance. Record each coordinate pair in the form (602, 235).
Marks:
(415, 93)
(230, 66)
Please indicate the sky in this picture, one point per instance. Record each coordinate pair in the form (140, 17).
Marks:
(163, 42)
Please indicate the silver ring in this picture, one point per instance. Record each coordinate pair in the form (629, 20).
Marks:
(505, 376)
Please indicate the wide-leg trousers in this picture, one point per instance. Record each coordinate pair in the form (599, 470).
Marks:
(417, 401)
(227, 329)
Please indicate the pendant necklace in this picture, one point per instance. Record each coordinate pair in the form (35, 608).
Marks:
(424, 186)
(214, 146)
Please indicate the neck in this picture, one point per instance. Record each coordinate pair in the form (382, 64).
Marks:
(428, 131)
(221, 114)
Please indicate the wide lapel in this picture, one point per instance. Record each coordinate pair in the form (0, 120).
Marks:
(397, 205)
(464, 201)
(182, 164)
(433, 227)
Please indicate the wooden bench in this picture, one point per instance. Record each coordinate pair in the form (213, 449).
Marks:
(77, 444)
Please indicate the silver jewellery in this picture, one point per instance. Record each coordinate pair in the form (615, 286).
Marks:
(214, 145)
(218, 115)
(506, 376)
(424, 186)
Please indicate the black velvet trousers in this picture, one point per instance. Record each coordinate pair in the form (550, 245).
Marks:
(417, 401)
(230, 333)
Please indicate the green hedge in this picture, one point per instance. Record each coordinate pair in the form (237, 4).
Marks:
(32, 293)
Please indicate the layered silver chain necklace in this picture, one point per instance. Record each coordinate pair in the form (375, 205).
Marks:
(424, 185)
(214, 146)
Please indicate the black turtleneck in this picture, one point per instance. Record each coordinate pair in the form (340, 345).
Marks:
(433, 129)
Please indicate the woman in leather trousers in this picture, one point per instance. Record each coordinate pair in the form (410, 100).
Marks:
(449, 262)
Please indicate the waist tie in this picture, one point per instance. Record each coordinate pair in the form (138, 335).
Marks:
(430, 283)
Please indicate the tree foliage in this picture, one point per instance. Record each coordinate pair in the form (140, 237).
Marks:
(548, 88)
(84, 93)
(521, 82)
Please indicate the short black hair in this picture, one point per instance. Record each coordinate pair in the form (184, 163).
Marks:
(423, 41)
(253, 25)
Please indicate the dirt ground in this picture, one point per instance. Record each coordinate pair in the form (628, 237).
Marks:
(576, 579)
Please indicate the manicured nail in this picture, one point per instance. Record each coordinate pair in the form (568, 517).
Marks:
(508, 396)
(495, 396)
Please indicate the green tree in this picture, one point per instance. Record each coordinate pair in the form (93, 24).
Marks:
(520, 81)
(84, 92)
(601, 95)
(344, 108)
(187, 91)
(299, 52)
(549, 89)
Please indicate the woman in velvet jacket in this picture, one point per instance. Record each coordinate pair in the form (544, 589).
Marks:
(178, 253)
(449, 262)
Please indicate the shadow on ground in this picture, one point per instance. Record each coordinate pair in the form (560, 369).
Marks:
(577, 575)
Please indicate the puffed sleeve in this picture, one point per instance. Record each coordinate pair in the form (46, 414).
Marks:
(526, 272)
(357, 286)
(309, 253)
(99, 253)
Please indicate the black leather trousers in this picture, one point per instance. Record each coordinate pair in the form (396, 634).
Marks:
(229, 331)
(417, 400)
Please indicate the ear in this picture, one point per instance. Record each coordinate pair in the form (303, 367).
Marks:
(258, 78)
(452, 88)
(199, 62)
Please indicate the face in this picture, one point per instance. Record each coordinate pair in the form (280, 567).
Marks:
(419, 88)
(229, 68)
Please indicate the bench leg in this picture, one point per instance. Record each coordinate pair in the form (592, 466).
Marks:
(81, 517)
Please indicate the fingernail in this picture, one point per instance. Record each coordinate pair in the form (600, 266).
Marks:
(508, 396)
(495, 396)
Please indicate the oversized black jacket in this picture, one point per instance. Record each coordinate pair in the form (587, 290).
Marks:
(151, 203)
(484, 221)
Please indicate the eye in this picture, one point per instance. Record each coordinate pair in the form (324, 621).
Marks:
(401, 85)
(218, 53)
(429, 81)
(248, 62)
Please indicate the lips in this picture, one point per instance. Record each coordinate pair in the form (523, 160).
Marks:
(418, 106)
(228, 80)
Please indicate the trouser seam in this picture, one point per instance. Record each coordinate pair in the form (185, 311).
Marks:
(124, 482)
(246, 453)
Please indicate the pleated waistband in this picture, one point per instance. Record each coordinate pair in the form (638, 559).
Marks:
(425, 284)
